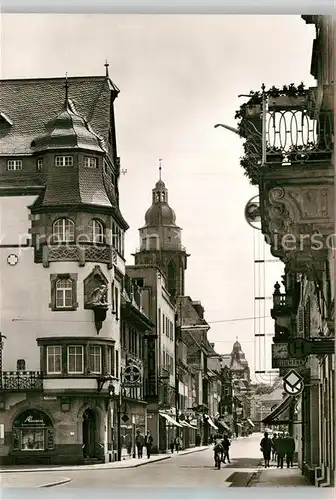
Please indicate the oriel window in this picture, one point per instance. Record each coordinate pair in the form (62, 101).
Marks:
(95, 359)
(75, 360)
(64, 230)
(97, 231)
(54, 359)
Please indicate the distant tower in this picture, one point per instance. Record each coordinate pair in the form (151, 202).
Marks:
(239, 365)
(160, 241)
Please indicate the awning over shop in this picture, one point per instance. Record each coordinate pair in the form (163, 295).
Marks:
(170, 419)
(250, 422)
(273, 417)
(210, 422)
(223, 424)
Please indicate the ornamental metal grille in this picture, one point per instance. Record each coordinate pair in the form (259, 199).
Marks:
(21, 381)
(97, 254)
(62, 253)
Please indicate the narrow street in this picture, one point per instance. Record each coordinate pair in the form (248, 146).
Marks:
(192, 470)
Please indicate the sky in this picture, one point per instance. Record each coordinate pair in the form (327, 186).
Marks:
(178, 76)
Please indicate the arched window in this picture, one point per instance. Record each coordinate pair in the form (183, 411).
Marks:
(64, 293)
(64, 230)
(20, 365)
(96, 231)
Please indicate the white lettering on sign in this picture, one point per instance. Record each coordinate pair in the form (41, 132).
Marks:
(30, 420)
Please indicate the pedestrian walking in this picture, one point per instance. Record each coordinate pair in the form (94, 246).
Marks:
(226, 446)
(172, 445)
(218, 452)
(280, 447)
(274, 454)
(178, 443)
(266, 448)
(128, 444)
(139, 442)
(198, 440)
(289, 445)
(148, 443)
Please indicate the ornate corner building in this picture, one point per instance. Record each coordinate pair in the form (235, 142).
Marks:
(297, 212)
(62, 258)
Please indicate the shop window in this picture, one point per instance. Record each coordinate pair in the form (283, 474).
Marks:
(21, 365)
(95, 359)
(63, 231)
(32, 431)
(75, 360)
(63, 292)
(54, 359)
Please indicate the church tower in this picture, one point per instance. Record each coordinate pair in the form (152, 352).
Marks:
(160, 241)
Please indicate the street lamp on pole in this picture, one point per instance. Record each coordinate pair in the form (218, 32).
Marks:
(227, 127)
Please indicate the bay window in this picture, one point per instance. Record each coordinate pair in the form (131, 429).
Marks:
(54, 359)
(75, 359)
(95, 359)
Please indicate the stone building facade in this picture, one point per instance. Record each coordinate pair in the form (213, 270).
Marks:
(297, 212)
(62, 251)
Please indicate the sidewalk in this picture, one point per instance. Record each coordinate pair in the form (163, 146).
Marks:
(278, 478)
(124, 464)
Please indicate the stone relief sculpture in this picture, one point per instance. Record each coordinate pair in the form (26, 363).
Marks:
(95, 296)
(98, 297)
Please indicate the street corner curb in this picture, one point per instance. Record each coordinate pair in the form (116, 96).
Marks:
(255, 477)
(147, 463)
(55, 483)
(195, 450)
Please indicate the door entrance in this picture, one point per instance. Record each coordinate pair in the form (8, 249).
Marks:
(89, 433)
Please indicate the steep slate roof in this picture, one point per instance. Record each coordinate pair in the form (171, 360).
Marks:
(68, 130)
(42, 118)
(43, 99)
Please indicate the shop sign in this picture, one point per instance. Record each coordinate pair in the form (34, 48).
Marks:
(32, 418)
(288, 363)
(132, 376)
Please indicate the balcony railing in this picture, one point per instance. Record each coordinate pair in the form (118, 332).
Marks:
(286, 131)
(21, 381)
(156, 246)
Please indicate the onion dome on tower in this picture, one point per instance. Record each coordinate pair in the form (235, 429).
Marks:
(160, 240)
(160, 213)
